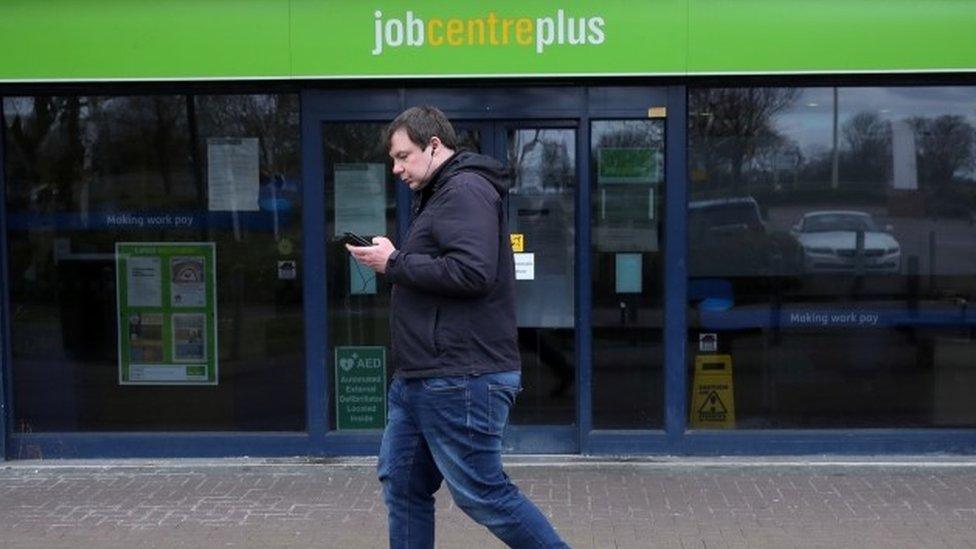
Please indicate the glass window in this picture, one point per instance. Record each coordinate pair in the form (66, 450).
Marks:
(87, 172)
(627, 159)
(830, 253)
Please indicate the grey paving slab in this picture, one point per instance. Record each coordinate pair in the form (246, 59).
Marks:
(594, 504)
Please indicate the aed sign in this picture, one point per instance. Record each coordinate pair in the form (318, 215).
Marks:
(360, 387)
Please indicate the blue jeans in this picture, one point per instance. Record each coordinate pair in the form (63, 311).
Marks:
(450, 428)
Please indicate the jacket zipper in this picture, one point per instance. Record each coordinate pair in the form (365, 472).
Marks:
(433, 335)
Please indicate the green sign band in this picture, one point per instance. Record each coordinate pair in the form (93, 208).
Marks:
(69, 40)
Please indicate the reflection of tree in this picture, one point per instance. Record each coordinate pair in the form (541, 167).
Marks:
(167, 130)
(868, 154)
(535, 150)
(142, 149)
(557, 171)
(48, 139)
(944, 146)
(67, 149)
(67, 167)
(520, 149)
(729, 126)
(817, 163)
(26, 134)
(270, 118)
(354, 143)
(631, 136)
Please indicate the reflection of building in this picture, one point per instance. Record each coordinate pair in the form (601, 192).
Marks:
(658, 214)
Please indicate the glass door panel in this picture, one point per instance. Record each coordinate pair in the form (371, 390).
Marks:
(627, 263)
(360, 197)
(542, 210)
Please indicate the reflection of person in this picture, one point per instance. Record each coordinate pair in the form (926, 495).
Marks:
(454, 341)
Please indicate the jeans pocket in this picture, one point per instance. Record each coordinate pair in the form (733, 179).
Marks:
(445, 384)
(502, 392)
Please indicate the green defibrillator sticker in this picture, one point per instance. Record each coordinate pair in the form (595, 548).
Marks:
(360, 387)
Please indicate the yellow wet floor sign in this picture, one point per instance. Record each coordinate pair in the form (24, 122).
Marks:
(712, 400)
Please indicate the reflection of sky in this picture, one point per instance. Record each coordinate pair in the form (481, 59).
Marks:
(17, 106)
(810, 122)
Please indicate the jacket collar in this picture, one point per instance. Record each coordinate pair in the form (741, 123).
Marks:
(422, 196)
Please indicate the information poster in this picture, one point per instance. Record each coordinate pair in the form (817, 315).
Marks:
(167, 313)
(232, 174)
(360, 199)
(360, 387)
(626, 204)
(629, 269)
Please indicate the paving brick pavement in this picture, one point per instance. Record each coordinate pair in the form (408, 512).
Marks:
(680, 503)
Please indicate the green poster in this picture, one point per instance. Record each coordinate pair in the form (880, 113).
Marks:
(360, 387)
(628, 165)
(167, 313)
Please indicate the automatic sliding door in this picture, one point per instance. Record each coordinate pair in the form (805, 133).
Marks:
(627, 262)
(360, 197)
(542, 212)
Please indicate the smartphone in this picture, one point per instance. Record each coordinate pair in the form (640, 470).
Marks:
(357, 240)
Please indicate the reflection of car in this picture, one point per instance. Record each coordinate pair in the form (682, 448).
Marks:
(829, 242)
(724, 216)
(728, 238)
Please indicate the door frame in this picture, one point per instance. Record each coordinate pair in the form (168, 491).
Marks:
(496, 106)
(6, 391)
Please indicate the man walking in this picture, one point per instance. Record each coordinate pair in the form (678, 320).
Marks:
(454, 347)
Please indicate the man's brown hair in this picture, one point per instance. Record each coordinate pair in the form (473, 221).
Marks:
(422, 123)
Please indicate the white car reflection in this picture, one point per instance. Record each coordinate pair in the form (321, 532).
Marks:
(829, 242)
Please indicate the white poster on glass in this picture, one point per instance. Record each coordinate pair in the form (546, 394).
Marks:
(232, 174)
(144, 279)
(360, 199)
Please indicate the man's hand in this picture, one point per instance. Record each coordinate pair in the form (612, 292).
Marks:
(374, 256)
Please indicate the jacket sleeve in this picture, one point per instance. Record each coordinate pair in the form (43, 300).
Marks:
(467, 233)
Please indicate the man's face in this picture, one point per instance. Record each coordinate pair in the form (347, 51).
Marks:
(410, 163)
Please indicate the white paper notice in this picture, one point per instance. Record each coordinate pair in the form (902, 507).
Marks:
(360, 199)
(232, 173)
(145, 283)
(525, 266)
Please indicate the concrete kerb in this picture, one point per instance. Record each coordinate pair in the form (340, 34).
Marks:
(523, 461)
